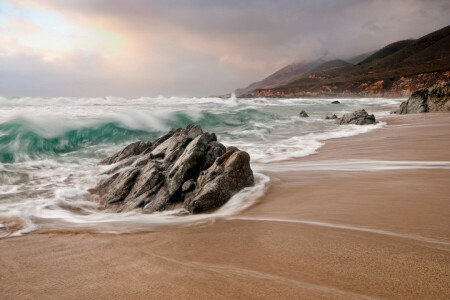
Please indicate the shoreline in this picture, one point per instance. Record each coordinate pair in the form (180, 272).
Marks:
(314, 234)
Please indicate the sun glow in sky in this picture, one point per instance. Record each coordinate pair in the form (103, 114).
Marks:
(189, 48)
(53, 35)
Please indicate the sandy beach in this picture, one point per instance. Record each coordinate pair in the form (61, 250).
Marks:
(316, 233)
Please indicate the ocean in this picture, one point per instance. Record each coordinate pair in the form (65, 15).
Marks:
(50, 149)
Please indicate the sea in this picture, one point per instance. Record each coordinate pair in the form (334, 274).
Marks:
(50, 149)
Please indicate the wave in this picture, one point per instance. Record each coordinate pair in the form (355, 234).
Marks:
(29, 137)
(19, 139)
(170, 101)
(86, 101)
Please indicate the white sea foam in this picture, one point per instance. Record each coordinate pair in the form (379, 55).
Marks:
(70, 210)
(49, 148)
(303, 145)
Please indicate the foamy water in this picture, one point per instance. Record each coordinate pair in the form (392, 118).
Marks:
(49, 149)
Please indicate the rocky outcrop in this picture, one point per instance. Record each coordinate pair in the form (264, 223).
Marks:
(184, 166)
(431, 99)
(303, 114)
(359, 117)
(332, 117)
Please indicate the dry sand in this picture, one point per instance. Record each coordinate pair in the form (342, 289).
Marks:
(315, 234)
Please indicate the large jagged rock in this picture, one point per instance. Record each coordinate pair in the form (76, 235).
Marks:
(358, 117)
(184, 166)
(431, 99)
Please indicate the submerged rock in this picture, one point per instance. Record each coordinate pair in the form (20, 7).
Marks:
(335, 102)
(435, 98)
(359, 117)
(183, 166)
(303, 114)
(332, 117)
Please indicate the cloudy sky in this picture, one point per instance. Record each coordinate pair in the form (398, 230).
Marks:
(134, 48)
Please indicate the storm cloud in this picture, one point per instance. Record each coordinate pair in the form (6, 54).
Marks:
(188, 48)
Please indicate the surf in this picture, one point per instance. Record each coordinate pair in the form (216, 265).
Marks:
(50, 149)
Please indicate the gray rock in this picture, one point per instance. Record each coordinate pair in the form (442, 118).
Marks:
(303, 114)
(228, 175)
(332, 117)
(188, 186)
(431, 99)
(184, 165)
(359, 117)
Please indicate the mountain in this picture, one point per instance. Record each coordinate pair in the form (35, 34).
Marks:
(327, 66)
(280, 77)
(359, 58)
(394, 70)
(291, 73)
(386, 51)
(297, 70)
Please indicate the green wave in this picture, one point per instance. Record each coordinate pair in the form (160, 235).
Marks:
(21, 140)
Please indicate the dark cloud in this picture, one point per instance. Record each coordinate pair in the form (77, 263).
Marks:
(212, 47)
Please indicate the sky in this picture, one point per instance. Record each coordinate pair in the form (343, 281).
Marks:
(137, 48)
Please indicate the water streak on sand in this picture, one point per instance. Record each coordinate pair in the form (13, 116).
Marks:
(355, 165)
(231, 270)
(347, 227)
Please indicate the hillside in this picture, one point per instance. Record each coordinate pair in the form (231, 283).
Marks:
(386, 51)
(280, 77)
(394, 70)
(327, 66)
(359, 58)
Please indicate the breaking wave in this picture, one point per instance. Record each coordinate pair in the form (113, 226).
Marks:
(31, 138)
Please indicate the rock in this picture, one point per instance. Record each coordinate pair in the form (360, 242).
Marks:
(130, 150)
(188, 186)
(335, 102)
(332, 117)
(184, 165)
(228, 175)
(359, 117)
(431, 99)
(303, 114)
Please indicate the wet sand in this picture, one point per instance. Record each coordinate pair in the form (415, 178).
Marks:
(315, 234)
